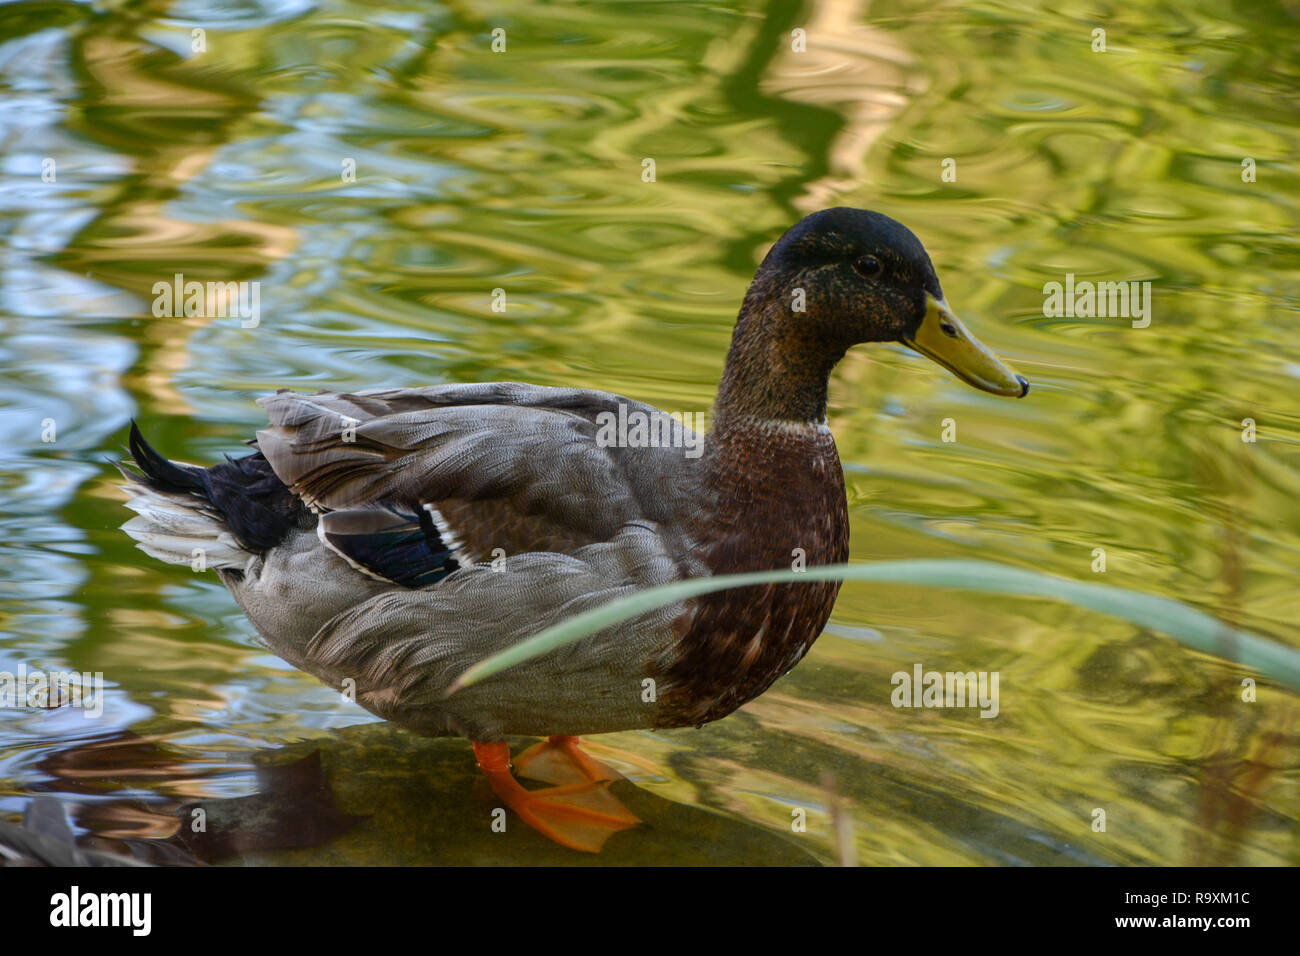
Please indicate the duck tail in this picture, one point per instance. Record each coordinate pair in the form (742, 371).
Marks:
(176, 519)
(161, 474)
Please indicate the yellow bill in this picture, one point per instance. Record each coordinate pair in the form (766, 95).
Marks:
(943, 339)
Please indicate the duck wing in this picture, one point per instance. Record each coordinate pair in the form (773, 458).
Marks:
(411, 484)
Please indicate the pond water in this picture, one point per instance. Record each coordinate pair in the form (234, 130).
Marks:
(523, 170)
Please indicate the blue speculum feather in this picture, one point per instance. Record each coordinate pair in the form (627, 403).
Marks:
(409, 552)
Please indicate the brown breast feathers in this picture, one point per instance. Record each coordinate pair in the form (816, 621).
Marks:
(778, 499)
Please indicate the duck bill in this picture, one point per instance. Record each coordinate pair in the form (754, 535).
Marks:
(943, 339)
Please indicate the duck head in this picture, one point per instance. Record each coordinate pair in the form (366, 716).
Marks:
(839, 278)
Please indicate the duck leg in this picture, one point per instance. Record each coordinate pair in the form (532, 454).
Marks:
(580, 815)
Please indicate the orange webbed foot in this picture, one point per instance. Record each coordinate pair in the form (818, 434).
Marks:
(580, 813)
(560, 761)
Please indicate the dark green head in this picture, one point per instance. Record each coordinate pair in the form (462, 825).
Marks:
(838, 278)
(865, 276)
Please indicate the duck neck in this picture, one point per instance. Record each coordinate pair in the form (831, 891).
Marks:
(773, 374)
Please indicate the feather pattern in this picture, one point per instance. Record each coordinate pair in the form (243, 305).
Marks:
(391, 545)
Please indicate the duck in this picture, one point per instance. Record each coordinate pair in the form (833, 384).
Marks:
(386, 540)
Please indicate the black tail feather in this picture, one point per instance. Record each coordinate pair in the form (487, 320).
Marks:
(160, 473)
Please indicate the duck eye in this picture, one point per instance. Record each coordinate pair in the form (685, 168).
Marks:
(867, 266)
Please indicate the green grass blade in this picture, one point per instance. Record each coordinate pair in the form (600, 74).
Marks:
(1186, 624)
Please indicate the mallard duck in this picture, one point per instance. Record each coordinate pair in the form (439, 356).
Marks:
(388, 539)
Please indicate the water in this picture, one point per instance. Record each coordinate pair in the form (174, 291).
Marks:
(522, 171)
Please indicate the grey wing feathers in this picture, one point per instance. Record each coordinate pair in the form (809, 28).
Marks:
(403, 649)
(513, 462)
